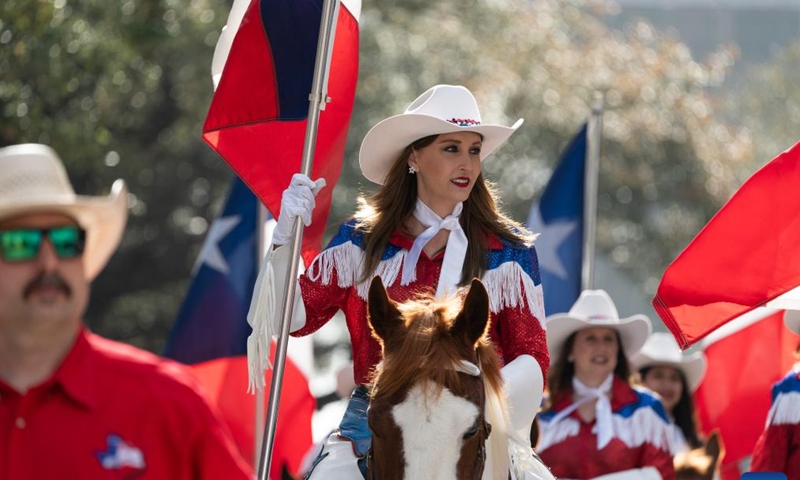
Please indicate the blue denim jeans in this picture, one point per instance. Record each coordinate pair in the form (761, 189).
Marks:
(354, 428)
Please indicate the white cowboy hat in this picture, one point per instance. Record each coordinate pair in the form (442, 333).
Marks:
(33, 180)
(594, 308)
(791, 318)
(661, 349)
(442, 109)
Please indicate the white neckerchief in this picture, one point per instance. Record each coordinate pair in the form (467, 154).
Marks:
(454, 252)
(602, 411)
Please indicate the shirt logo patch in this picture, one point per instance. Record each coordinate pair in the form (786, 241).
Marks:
(120, 454)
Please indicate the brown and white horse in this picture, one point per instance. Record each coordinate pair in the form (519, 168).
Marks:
(439, 377)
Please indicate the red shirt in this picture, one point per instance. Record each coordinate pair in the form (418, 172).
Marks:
(331, 283)
(111, 411)
(640, 438)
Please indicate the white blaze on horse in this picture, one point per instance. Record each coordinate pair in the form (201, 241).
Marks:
(437, 409)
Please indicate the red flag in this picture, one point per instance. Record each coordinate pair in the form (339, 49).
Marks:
(258, 116)
(745, 357)
(225, 376)
(744, 257)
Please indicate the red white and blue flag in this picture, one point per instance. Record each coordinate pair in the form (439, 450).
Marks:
(744, 257)
(258, 116)
(211, 330)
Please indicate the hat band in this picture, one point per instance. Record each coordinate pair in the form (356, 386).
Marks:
(464, 122)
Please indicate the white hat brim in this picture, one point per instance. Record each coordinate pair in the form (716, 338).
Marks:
(384, 143)
(692, 366)
(633, 331)
(791, 318)
(103, 218)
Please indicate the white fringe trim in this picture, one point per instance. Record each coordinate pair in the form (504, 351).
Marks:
(785, 410)
(644, 426)
(348, 261)
(503, 285)
(260, 315)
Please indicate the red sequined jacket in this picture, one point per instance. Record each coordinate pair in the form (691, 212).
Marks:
(512, 280)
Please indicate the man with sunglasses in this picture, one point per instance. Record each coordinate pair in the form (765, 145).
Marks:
(72, 404)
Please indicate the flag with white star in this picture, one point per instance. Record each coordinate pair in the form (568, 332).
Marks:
(211, 330)
(558, 218)
(224, 275)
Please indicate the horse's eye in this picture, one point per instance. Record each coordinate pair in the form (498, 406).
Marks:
(472, 430)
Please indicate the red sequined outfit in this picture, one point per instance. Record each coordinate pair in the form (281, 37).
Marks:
(512, 280)
(778, 448)
(641, 437)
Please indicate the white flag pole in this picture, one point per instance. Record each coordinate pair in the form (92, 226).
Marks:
(592, 168)
(317, 100)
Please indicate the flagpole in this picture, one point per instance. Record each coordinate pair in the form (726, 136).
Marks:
(594, 137)
(317, 100)
(261, 250)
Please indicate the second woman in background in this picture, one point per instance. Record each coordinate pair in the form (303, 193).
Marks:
(674, 377)
(596, 425)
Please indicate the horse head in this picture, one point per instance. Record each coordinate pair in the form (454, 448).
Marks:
(429, 395)
(700, 463)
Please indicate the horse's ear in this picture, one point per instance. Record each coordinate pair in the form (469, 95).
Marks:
(383, 314)
(473, 319)
(714, 449)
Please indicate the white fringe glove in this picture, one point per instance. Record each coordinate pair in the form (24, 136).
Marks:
(298, 201)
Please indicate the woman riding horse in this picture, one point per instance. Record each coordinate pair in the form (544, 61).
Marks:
(431, 227)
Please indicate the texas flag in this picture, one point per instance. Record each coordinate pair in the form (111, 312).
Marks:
(558, 216)
(211, 332)
(746, 256)
(745, 357)
(258, 117)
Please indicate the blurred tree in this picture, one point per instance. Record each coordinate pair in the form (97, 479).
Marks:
(769, 105)
(667, 162)
(121, 89)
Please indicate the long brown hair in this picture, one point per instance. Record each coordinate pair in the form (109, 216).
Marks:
(379, 215)
(683, 413)
(559, 378)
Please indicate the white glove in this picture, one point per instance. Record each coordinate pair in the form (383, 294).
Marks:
(647, 473)
(524, 387)
(279, 257)
(297, 201)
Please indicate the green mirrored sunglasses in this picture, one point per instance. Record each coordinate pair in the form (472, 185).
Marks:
(23, 244)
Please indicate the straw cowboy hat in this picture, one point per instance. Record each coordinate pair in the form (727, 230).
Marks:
(442, 109)
(33, 180)
(661, 349)
(791, 318)
(594, 308)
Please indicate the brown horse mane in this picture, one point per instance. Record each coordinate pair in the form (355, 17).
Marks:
(427, 351)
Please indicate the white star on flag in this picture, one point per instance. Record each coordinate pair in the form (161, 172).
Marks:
(210, 254)
(552, 236)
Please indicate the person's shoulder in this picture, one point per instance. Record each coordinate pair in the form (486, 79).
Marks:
(503, 249)
(348, 232)
(144, 371)
(648, 399)
(789, 383)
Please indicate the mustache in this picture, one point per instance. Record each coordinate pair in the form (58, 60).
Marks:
(47, 280)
